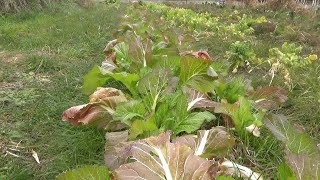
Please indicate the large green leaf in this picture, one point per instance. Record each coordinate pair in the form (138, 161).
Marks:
(239, 112)
(155, 85)
(128, 79)
(193, 67)
(193, 122)
(202, 83)
(302, 154)
(92, 172)
(93, 80)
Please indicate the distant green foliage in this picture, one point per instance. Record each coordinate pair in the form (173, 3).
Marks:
(240, 54)
(289, 55)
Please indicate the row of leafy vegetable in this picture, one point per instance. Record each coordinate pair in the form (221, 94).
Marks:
(169, 93)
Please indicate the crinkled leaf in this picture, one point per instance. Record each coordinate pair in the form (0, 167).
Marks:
(99, 111)
(92, 172)
(304, 166)
(302, 154)
(127, 111)
(209, 143)
(155, 85)
(108, 97)
(269, 97)
(93, 80)
(158, 158)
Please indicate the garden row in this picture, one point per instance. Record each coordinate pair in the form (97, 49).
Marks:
(164, 93)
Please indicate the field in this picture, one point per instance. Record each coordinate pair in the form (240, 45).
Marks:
(44, 55)
(254, 72)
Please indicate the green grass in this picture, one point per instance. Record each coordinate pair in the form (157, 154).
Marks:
(57, 47)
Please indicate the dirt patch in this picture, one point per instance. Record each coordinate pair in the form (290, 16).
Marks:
(11, 58)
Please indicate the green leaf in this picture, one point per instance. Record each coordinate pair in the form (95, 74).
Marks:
(122, 55)
(221, 68)
(155, 85)
(193, 67)
(193, 122)
(171, 62)
(181, 107)
(231, 91)
(91, 172)
(125, 112)
(142, 129)
(93, 80)
(129, 80)
(202, 83)
(240, 114)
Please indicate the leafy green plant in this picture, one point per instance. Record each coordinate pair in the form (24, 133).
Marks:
(287, 57)
(240, 54)
(230, 90)
(173, 93)
(161, 155)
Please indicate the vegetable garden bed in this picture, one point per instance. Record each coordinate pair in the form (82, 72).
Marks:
(182, 113)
